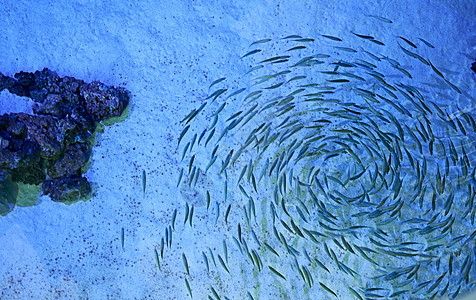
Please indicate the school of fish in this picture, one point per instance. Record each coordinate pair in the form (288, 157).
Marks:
(337, 166)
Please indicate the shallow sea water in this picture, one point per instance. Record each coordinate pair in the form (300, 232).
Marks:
(335, 160)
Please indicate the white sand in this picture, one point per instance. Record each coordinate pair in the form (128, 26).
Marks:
(166, 53)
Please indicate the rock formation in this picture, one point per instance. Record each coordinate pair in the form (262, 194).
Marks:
(51, 146)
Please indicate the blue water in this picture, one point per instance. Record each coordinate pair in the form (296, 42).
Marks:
(336, 160)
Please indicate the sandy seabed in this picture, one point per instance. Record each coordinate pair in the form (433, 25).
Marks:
(167, 54)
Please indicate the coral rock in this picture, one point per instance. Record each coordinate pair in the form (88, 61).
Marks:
(56, 139)
(67, 189)
(103, 102)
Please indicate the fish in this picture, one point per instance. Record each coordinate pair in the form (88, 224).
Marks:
(297, 48)
(208, 199)
(308, 276)
(185, 263)
(225, 251)
(355, 293)
(167, 236)
(426, 43)
(365, 37)
(192, 175)
(170, 235)
(144, 181)
(254, 69)
(304, 40)
(192, 113)
(377, 42)
(274, 86)
(436, 70)
(380, 18)
(223, 264)
(294, 36)
(239, 233)
(275, 58)
(187, 211)
(271, 249)
(212, 256)
(213, 95)
(239, 91)
(205, 260)
(341, 80)
(185, 150)
(237, 243)
(373, 56)
(216, 82)
(255, 237)
(328, 289)
(251, 52)
(190, 164)
(157, 258)
(334, 38)
(404, 71)
(225, 188)
(210, 135)
(276, 272)
(414, 55)
(201, 136)
(174, 216)
(218, 111)
(191, 216)
(408, 42)
(227, 161)
(215, 294)
(195, 112)
(262, 41)
(347, 49)
(187, 284)
(227, 213)
(321, 265)
(194, 138)
(122, 238)
(162, 248)
(182, 134)
(454, 87)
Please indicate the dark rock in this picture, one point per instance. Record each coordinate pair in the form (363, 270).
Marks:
(49, 80)
(44, 77)
(67, 189)
(56, 140)
(19, 90)
(473, 66)
(3, 174)
(74, 157)
(11, 128)
(25, 79)
(4, 143)
(6, 82)
(43, 130)
(19, 156)
(103, 102)
(38, 94)
(52, 105)
(43, 80)
(32, 173)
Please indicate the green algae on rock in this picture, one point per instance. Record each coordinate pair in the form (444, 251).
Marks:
(52, 147)
(8, 195)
